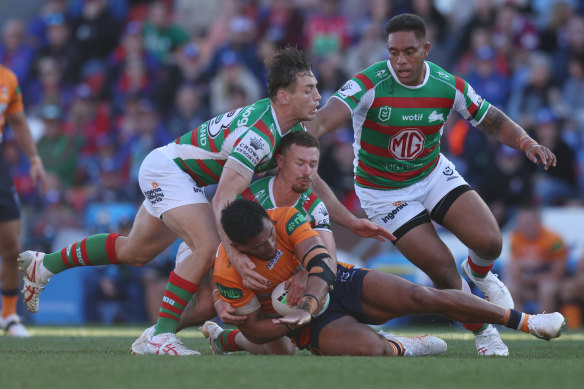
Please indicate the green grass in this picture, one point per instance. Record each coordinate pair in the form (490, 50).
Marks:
(98, 357)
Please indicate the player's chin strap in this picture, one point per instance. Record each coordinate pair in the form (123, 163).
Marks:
(315, 261)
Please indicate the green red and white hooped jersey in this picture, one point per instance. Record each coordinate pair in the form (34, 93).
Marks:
(398, 127)
(249, 135)
(308, 204)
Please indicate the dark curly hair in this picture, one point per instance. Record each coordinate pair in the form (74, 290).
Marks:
(284, 67)
(406, 22)
(243, 219)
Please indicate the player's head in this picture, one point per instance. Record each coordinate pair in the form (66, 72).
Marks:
(291, 83)
(249, 228)
(298, 160)
(407, 47)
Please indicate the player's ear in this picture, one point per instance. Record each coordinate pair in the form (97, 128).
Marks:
(283, 96)
(426, 49)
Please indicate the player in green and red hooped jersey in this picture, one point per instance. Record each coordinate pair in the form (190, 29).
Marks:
(226, 150)
(398, 108)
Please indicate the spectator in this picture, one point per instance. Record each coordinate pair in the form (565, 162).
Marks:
(571, 298)
(327, 31)
(232, 75)
(370, 49)
(555, 186)
(95, 33)
(538, 260)
(161, 35)
(15, 53)
(487, 80)
(188, 112)
(281, 22)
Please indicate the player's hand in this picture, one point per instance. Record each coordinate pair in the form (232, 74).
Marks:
(38, 174)
(298, 317)
(295, 286)
(244, 266)
(541, 154)
(368, 229)
(227, 313)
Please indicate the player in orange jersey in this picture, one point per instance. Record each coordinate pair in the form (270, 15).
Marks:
(275, 240)
(12, 111)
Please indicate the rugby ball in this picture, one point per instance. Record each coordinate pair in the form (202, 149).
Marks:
(280, 297)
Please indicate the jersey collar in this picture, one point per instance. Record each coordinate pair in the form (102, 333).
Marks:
(426, 77)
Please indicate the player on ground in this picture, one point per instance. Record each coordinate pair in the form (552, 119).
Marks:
(226, 150)
(398, 109)
(297, 161)
(276, 238)
(12, 110)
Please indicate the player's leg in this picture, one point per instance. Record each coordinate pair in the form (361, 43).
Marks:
(195, 224)
(225, 341)
(9, 278)
(346, 336)
(385, 296)
(148, 237)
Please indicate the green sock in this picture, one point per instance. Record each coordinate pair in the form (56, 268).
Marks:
(96, 250)
(176, 296)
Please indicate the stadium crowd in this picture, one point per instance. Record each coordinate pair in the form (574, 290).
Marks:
(106, 81)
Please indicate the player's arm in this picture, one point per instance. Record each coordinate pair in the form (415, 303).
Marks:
(24, 140)
(341, 215)
(500, 126)
(260, 329)
(322, 271)
(233, 182)
(328, 118)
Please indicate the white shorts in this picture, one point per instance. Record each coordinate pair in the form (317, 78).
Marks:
(394, 208)
(165, 186)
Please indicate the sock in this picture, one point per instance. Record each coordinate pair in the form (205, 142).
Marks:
(397, 347)
(226, 340)
(9, 300)
(96, 250)
(517, 320)
(475, 328)
(176, 296)
(479, 267)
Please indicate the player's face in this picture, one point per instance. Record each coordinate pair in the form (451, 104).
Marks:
(262, 246)
(298, 167)
(406, 55)
(305, 99)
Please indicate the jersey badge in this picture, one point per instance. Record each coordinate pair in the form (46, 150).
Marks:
(349, 89)
(435, 116)
(384, 113)
(443, 75)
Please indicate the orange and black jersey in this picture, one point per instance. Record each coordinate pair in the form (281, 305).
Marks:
(10, 96)
(291, 228)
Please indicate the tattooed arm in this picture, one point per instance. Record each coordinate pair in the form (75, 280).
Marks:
(501, 127)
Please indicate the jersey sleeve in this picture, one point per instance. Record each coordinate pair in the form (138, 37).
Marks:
(229, 282)
(292, 225)
(319, 216)
(250, 149)
(469, 103)
(15, 103)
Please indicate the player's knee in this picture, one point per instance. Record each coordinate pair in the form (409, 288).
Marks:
(445, 278)
(490, 246)
(372, 346)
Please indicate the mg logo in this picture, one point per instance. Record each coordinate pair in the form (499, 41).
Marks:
(407, 144)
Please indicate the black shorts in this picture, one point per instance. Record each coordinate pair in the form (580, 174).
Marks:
(345, 300)
(9, 203)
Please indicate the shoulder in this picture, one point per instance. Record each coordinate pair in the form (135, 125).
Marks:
(7, 75)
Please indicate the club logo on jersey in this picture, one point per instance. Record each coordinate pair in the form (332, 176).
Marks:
(323, 215)
(407, 144)
(435, 116)
(274, 260)
(349, 89)
(249, 147)
(384, 113)
(294, 222)
(229, 293)
(443, 75)
(380, 73)
(448, 171)
(261, 195)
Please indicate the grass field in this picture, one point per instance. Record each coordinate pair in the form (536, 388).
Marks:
(98, 357)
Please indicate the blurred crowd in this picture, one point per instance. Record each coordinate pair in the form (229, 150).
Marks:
(106, 81)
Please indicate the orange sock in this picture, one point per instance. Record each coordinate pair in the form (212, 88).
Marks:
(8, 305)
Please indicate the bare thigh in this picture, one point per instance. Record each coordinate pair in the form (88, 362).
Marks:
(148, 238)
(423, 247)
(9, 250)
(346, 336)
(471, 220)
